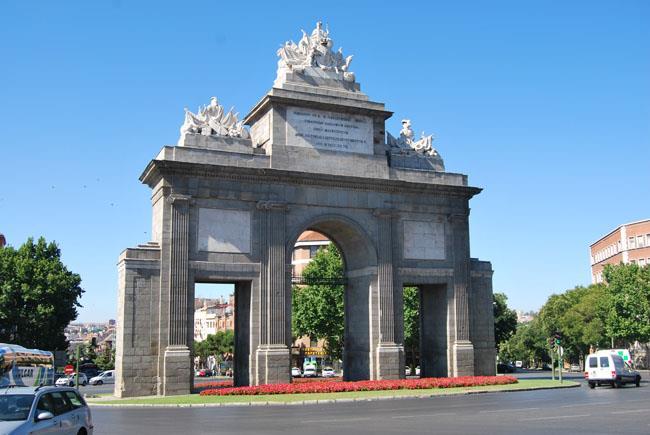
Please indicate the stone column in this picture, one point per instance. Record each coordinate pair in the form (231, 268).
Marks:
(273, 353)
(463, 349)
(389, 353)
(177, 375)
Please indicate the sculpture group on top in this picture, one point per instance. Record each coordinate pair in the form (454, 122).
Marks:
(407, 141)
(315, 51)
(212, 120)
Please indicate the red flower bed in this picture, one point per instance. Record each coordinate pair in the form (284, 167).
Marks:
(213, 384)
(338, 386)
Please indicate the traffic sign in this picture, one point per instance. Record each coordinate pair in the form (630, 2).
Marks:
(69, 369)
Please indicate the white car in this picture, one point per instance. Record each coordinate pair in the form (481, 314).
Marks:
(69, 381)
(417, 371)
(107, 377)
(328, 372)
(309, 372)
(295, 372)
(605, 367)
(44, 410)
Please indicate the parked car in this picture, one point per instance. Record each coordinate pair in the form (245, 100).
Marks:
(417, 371)
(328, 372)
(107, 377)
(408, 371)
(27, 410)
(71, 379)
(202, 373)
(605, 367)
(505, 368)
(575, 367)
(295, 372)
(309, 372)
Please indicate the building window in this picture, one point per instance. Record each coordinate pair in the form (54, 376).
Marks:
(641, 262)
(639, 241)
(313, 250)
(630, 243)
(633, 261)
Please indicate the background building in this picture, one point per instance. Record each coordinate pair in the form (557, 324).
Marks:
(305, 249)
(628, 244)
(214, 317)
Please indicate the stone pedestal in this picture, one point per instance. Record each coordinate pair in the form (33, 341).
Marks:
(177, 376)
(463, 358)
(273, 362)
(390, 357)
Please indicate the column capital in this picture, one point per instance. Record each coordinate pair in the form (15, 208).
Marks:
(385, 213)
(272, 205)
(175, 198)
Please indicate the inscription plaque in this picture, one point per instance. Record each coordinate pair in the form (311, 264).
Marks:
(329, 130)
(424, 240)
(224, 230)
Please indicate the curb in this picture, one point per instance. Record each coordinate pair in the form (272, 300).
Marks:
(313, 402)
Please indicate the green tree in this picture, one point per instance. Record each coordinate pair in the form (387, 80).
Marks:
(318, 306)
(628, 310)
(39, 296)
(106, 360)
(579, 315)
(411, 323)
(505, 319)
(528, 344)
(221, 345)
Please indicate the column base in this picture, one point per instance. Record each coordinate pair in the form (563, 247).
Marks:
(273, 364)
(390, 361)
(177, 377)
(463, 358)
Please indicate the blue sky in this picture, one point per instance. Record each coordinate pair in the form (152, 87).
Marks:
(544, 104)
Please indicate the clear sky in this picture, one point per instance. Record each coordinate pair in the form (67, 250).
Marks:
(544, 104)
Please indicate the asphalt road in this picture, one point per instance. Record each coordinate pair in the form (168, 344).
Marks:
(576, 411)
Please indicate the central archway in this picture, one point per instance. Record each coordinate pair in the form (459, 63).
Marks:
(360, 270)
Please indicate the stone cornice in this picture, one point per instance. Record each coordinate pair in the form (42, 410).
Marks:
(316, 102)
(159, 168)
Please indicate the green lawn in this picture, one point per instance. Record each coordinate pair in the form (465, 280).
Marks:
(195, 399)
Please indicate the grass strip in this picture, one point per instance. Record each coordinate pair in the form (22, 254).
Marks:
(195, 399)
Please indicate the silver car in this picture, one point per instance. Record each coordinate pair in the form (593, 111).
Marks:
(43, 410)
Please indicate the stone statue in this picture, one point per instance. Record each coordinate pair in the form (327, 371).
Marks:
(406, 141)
(211, 121)
(315, 51)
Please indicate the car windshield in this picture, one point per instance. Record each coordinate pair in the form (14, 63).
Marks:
(15, 407)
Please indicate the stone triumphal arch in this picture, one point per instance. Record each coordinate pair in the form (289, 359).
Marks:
(230, 202)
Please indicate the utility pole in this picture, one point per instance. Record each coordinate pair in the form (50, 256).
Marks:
(77, 371)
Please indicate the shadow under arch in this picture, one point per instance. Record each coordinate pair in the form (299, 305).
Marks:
(360, 267)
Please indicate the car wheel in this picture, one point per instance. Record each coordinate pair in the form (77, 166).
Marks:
(71, 384)
(637, 381)
(84, 383)
(592, 385)
(618, 384)
(82, 431)
(99, 383)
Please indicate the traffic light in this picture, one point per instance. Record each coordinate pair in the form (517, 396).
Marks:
(558, 337)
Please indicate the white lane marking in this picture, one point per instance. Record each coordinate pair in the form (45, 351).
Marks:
(556, 417)
(425, 415)
(338, 420)
(630, 411)
(586, 404)
(508, 410)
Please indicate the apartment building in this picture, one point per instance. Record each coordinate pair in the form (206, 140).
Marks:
(628, 244)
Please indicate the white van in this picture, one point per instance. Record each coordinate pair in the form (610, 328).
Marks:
(605, 367)
(107, 377)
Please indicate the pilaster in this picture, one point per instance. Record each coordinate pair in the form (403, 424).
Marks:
(273, 353)
(389, 353)
(463, 350)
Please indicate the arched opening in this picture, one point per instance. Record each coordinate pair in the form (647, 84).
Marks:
(359, 265)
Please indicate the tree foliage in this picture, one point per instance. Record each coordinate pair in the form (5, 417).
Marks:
(39, 296)
(505, 319)
(221, 345)
(528, 344)
(411, 323)
(628, 308)
(318, 308)
(579, 315)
